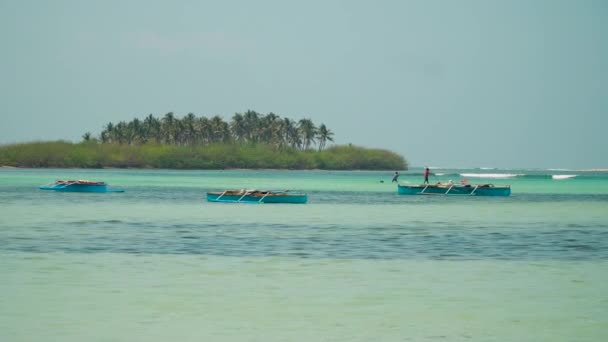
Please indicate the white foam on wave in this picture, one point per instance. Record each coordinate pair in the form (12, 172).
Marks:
(490, 175)
(563, 176)
(440, 174)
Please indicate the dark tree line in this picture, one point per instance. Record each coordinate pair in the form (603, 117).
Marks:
(245, 128)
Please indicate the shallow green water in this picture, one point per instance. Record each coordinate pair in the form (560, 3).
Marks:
(358, 262)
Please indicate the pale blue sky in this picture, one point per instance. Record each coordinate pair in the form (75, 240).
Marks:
(445, 83)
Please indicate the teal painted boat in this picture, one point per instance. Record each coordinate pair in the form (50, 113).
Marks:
(79, 186)
(455, 189)
(257, 196)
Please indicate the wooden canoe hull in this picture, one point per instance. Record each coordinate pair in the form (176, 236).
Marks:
(98, 187)
(256, 198)
(456, 189)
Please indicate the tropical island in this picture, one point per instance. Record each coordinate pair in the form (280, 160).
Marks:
(250, 141)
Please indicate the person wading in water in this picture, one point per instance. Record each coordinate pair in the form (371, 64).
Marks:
(395, 177)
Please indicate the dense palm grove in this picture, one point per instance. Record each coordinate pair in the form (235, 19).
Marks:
(250, 140)
(248, 127)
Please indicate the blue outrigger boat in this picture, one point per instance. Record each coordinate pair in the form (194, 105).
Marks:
(455, 189)
(79, 186)
(257, 196)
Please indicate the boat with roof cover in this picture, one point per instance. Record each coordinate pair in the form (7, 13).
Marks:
(455, 189)
(79, 186)
(257, 196)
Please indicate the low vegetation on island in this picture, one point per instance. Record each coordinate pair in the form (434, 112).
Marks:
(250, 140)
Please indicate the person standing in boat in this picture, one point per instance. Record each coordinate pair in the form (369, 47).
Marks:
(426, 175)
(395, 177)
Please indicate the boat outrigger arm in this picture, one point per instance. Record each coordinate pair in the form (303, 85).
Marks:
(256, 196)
(79, 186)
(454, 189)
(60, 185)
(245, 193)
(250, 192)
(223, 193)
(448, 190)
(262, 199)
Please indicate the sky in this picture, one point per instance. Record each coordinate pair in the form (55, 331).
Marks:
(471, 83)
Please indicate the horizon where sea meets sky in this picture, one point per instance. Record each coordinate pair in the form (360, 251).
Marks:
(455, 84)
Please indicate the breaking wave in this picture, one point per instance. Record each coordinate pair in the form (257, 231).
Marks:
(491, 175)
(562, 176)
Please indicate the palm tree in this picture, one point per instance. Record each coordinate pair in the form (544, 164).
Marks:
(168, 128)
(324, 135)
(203, 130)
(152, 129)
(270, 129)
(307, 132)
(289, 133)
(252, 119)
(221, 130)
(190, 132)
(106, 134)
(180, 132)
(238, 127)
(86, 136)
(135, 132)
(248, 127)
(120, 132)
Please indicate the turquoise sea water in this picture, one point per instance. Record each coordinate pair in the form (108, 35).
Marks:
(357, 263)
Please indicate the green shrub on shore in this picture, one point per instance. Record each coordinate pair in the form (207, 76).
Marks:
(91, 154)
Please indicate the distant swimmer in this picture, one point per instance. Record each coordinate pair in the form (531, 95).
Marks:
(395, 177)
(426, 175)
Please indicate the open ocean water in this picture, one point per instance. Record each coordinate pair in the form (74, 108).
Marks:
(357, 263)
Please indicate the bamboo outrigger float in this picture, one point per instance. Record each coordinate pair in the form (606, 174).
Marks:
(256, 196)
